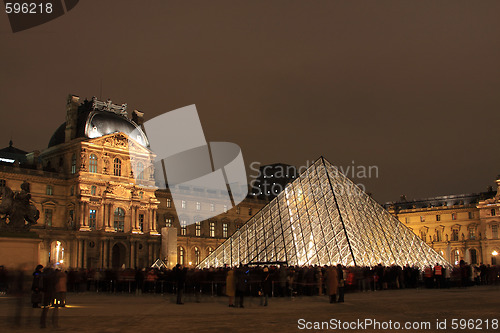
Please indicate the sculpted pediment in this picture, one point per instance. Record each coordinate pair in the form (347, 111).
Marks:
(122, 141)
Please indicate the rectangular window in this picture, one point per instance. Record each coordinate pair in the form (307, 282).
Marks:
(49, 190)
(453, 216)
(198, 229)
(212, 229)
(169, 203)
(454, 235)
(224, 230)
(438, 217)
(439, 236)
(48, 217)
(407, 220)
(141, 222)
(472, 233)
(71, 218)
(494, 231)
(168, 222)
(183, 204)
(2, 182)
(493, 212)
(237, 209)
(92, 218)
(198, 206)
(212, 207)
(471, 215)
(422, 218)
(183, 227)
(249, 211)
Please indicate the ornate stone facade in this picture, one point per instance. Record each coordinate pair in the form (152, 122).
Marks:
(94, 212)
(459, 227)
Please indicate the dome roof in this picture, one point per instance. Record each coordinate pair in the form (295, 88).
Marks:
(96, 123)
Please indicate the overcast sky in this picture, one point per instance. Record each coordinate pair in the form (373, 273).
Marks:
(411, 87)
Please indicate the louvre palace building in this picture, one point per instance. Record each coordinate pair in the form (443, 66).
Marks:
(94, 212)
(101, 207)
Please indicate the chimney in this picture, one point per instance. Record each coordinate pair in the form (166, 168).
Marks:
(71, 117)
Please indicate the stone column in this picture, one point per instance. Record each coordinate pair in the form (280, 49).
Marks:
(105, 253)
(109, 214)
(132, 254)
(84, 224)
(84, 246)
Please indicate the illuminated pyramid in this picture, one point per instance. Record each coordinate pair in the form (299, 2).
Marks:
(323, 218)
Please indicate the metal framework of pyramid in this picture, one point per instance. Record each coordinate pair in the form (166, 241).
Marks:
(323, 218)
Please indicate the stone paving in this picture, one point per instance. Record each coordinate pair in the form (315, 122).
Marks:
(91, 312)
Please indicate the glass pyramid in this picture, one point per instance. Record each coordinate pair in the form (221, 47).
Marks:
(323, 218)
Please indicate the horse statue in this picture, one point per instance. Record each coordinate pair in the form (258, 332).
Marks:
(17, 209)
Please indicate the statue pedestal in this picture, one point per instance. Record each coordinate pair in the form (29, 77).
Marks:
(20, 249)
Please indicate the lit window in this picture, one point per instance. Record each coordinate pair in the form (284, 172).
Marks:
(48, 217)
(181, 255)
(73, 164)
(212, 207)
(438, 217)
(93, 190)
(198, 206)
(210, 250)
(117, 167)
(249, 211)
(92, 218)
(141, 222)
(224, 230)
(183, 227)
(198, 229)
(225, 209)
(183, 204)
(93, 163)
(119, 220)
(168, 222)
(212, 229)
(237, 209)
(169, 203)
(456, 257)
(196, 256)
(49, 190)
(453, 216)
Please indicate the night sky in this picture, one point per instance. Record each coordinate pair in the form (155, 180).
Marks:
(411, 87)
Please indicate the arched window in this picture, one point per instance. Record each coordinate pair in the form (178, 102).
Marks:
(456, 257)
(180, 258)
(117, 167)
(119, 220)
(210, 250)
(140, 170)
(197, 255)
(93, 190)
(73, 164)
(93, 163)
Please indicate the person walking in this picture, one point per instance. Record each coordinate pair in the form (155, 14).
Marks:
(266, 286)
(49, 287)
(241, 284)
(231, 287)
(332, 283)
(342, 275)
(60, 288)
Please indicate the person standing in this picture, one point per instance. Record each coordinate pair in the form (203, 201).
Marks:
(180, 281)
(266, 285)
(231, 287)
(341, 277)
(61, 288)
(36, 287)
(241, 284)
(332, 283)
(49, 287)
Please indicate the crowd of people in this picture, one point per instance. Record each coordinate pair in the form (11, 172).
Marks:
(48, 286)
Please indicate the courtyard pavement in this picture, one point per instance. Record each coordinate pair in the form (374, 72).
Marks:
(92, 312)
